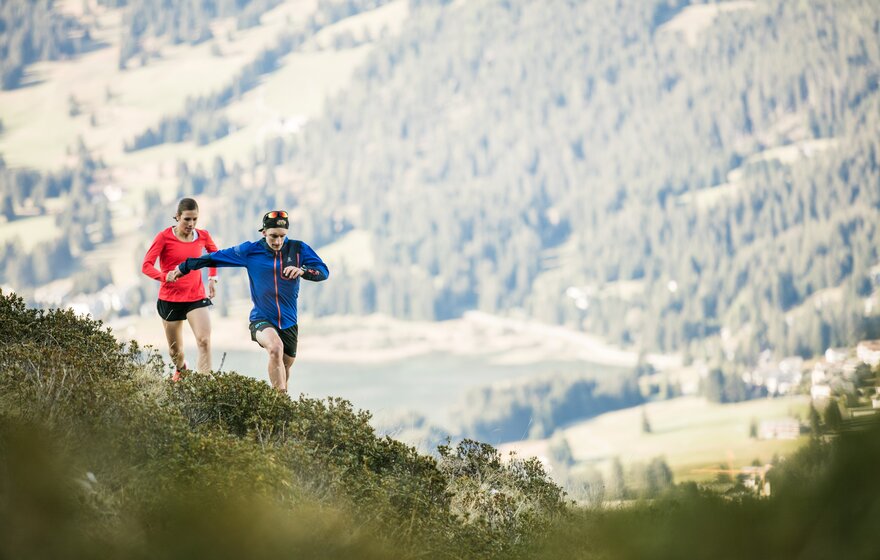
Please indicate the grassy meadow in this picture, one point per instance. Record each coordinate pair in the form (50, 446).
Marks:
(689, 432)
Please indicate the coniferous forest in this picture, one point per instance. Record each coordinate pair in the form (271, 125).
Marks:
(590, 164)
(597, 152)
(673, 176)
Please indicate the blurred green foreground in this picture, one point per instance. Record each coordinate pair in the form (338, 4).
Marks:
(101, 457)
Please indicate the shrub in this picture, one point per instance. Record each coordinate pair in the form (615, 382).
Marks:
(223, 465)
(503, 504)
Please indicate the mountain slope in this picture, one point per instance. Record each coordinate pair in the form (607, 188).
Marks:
(99, 453)
(671, 176)
(732, 177)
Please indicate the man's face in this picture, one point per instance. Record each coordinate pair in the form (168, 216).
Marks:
(275, 237)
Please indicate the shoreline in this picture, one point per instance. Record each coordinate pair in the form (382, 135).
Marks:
(377, 339)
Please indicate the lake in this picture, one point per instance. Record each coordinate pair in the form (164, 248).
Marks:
(429, 383)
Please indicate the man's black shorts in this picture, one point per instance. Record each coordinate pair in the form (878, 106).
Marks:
(177, 310)
(288, 336)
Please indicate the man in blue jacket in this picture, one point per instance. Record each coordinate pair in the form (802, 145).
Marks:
(274, 265)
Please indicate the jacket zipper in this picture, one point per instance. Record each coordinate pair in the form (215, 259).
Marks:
(275, 277)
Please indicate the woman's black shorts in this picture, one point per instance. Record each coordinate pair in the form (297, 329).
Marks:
(177, 310)
(288, 336)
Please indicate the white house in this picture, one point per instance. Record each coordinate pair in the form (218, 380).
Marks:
(780, 378)
(820, 392)
(783, 428)
(836, 355)
(868, 351)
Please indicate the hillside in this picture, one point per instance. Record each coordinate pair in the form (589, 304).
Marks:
(65, 133)
(530, 150)
(100, 456)
(672, 177)
(689, 433)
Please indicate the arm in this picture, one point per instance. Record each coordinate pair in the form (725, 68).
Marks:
(149, 265)
(315, 269)
(211, 247)
(233, 256)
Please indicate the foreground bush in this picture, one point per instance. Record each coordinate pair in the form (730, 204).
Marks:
(100, 456)
(825, 504)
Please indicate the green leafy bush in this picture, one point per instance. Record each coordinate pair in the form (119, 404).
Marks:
(222, 465)
(502, 504)
(102, 456)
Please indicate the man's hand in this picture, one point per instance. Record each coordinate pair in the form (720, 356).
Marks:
(212, 288)
(173, 275)
(292, 272)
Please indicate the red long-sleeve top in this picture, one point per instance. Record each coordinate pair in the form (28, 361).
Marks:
(171, 251)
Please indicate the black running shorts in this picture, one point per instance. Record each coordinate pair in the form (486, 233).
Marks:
(177, 310)
(288, 336)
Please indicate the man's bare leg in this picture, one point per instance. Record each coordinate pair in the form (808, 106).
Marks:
(200, 322)
(288, 363)
(271, 342)
(174, 336)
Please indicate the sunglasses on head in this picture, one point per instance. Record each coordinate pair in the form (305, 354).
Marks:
(276, 214)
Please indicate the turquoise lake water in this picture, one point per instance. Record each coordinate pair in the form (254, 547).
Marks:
(430, 384)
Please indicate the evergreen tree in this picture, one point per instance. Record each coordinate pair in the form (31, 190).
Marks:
(815, 426)
(617, 481)
(833, 418)
(646, 426)
(713, 386)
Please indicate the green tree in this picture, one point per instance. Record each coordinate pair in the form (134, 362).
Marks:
(833, 418)
(713, 386)
(646, 425)
(815, 425)
(617, 481)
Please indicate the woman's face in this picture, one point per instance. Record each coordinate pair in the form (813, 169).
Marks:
(186, 221)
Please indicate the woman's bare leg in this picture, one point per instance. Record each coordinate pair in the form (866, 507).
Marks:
(174, 336)
(200, 322)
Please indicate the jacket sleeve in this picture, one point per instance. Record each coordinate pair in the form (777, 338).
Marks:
(210, 247)
(312, 262)
(149, 265)
(231, 257)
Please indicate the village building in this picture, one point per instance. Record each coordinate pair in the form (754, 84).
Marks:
(836, 355)
(781, 428)
(868, 351)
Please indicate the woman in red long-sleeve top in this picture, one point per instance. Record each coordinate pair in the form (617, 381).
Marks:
(184, 299)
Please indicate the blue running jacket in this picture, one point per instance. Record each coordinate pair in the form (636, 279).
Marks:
(274, 296)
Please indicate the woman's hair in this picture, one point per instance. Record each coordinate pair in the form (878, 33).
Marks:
(186, 204)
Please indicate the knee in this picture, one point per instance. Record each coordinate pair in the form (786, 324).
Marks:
(276, 351)
(203, 342)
